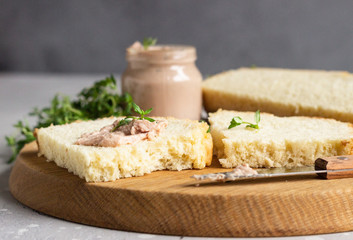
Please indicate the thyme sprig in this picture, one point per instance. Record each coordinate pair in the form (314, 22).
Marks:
(128, 119)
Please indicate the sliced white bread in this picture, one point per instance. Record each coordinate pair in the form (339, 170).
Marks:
(279, 141)
(183, 144)
(282, 92)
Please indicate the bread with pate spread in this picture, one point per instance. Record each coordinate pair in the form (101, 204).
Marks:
(283, 92)
(182, 144)
(279, 141)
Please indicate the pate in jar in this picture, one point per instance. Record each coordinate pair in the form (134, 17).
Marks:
(165, 78)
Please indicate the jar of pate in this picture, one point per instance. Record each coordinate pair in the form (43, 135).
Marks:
(165, 78)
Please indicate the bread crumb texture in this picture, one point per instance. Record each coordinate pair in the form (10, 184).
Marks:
(280, 141)
(182, 145)
(283, 92)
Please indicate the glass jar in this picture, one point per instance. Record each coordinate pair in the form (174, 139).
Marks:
(165, 78)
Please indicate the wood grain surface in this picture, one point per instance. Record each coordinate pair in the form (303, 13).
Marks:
(168, 202)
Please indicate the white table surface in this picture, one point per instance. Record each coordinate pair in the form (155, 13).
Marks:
(19, 93)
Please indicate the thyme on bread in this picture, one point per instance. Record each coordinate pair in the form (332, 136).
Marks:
(128, 119)
(99, 100)
(236, 121)
(147, 42)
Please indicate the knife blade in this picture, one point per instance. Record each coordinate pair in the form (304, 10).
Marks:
(327, 168)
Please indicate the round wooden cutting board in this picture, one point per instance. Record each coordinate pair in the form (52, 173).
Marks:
(168, 202)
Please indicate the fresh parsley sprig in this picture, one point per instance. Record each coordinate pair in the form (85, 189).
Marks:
(236, 121)
(100, 100)
(128, 119)
(147, 42)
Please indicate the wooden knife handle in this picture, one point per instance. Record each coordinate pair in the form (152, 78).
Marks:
(335, 163)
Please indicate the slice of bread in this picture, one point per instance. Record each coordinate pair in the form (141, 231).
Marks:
(282, 92)
(183, 144)
(279, 141)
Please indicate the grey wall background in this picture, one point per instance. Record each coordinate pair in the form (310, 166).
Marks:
(91, 35)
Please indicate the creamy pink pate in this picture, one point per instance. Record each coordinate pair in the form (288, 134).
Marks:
(240, 171)
(135, 131)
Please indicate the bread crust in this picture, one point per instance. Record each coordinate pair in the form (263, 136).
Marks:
(217, 98)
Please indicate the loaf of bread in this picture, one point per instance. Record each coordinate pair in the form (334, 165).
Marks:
(279, 141)
(183, 144)
(282, 92)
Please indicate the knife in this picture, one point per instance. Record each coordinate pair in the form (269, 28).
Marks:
(328, 168)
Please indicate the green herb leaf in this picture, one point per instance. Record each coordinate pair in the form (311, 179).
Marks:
(252, 126)
(148, 111)
(123, 122)
(257, 116)
(149, 119)
(147, 42)
(236, 121)
(137, 109)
